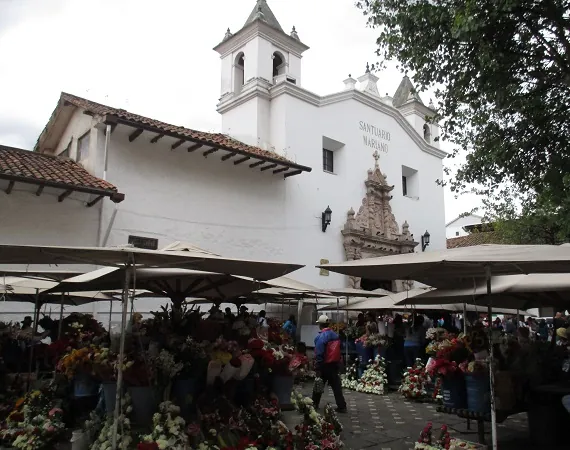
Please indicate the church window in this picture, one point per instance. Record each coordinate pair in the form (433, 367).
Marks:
(410, 183)
(328, 160)
(239, 72)
(83, 146)
(278, 64)
(66, 152)
(457, 233)
(427, 133)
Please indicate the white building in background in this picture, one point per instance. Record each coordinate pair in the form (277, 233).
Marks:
(462, 225)
(260, 189)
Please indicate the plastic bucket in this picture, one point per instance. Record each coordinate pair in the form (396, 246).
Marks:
(145, 403)
(478, 393)
(84, 386)
(282, 387)
(183, 392)
(453, 392)
(110, 393)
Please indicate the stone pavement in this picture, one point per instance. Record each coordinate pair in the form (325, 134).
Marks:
(389, 422)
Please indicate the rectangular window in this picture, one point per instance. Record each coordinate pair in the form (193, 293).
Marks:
(410, 183)
(328, 160)
(83, 146)
(65, 153)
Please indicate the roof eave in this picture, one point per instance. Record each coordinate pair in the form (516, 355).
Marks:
(113, 119)
(114, 195)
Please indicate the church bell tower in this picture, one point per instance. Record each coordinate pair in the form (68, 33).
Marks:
(255, 60)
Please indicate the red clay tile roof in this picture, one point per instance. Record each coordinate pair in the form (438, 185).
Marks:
(488, 237)
(32, 167)
(216, 139)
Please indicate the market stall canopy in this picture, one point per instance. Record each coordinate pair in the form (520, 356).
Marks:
(352, 292)
(406, 300)
(438, 267)
(119, 256)
(24, 286)
(68, 299)
(177, 284)
(508, 291)
(54, 275)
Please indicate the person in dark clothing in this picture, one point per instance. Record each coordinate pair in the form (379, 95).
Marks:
(327, 359)
(414, 344)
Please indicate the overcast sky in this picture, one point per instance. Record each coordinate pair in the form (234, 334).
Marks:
(156, 58)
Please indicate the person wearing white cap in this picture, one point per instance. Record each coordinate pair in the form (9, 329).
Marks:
(327, 359)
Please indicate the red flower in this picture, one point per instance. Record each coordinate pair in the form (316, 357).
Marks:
(147, 446)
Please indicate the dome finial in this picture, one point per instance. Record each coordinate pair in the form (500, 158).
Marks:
(294, 34)
(367, 68)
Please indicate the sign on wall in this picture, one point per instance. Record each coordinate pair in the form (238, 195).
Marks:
(143, 242)
(324, 272)
(374, 137)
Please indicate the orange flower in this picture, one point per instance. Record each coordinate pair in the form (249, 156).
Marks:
(19, 403)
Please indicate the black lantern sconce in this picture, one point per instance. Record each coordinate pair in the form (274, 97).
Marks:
(326, 218)
(425, 241)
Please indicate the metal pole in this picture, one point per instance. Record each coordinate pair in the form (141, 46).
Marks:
(465, 318)
(121, 359)
(34, 332)
(110, 317)
(60, 325)
(491, 373)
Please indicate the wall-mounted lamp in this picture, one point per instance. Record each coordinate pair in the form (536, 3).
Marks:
(326, 218)
(425, 241)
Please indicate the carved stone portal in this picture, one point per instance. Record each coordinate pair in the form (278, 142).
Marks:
(373, 231)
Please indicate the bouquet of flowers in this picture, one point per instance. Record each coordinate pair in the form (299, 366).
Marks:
(35, 423)
(104, 364)
(315, 431)
(377, 340)
(169, 429)
(474, 367)
(349, 380)
(450, 354)
(374, 378)
(426, 441)
(435, 334)
(78, 360)
(353, 331)
(124, 438)
(414, 381)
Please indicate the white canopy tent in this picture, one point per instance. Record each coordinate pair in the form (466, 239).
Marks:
(133, 257)
(446, 268)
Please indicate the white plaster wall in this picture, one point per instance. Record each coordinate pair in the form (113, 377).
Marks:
(309, 194)
(249, 122)
(80, 123)
(457, 226)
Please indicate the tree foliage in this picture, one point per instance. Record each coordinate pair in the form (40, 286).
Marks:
(502, 69)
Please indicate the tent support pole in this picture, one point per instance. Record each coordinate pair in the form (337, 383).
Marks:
(465, 318)
(34, 332)
(60, 324)
(491, 373)
(110, 317)
(121, 358)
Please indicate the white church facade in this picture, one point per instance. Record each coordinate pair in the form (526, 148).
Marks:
(261, 189)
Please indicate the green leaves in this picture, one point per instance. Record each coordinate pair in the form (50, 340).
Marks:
(504, 71)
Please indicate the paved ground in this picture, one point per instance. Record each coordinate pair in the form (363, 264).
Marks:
(389, 422)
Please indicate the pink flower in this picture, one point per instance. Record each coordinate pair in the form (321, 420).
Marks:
(55, 411)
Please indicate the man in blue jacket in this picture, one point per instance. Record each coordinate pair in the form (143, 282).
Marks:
(327, 362)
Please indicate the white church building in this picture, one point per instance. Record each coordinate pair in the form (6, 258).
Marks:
(293, 177)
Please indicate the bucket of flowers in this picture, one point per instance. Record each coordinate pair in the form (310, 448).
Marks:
(374, 379)
(77, 365)
(168, 429)
(451, 353)
(414, 382)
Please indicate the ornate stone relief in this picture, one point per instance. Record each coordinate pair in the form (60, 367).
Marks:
(373, 231)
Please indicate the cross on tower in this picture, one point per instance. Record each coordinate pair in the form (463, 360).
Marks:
(376, 157)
